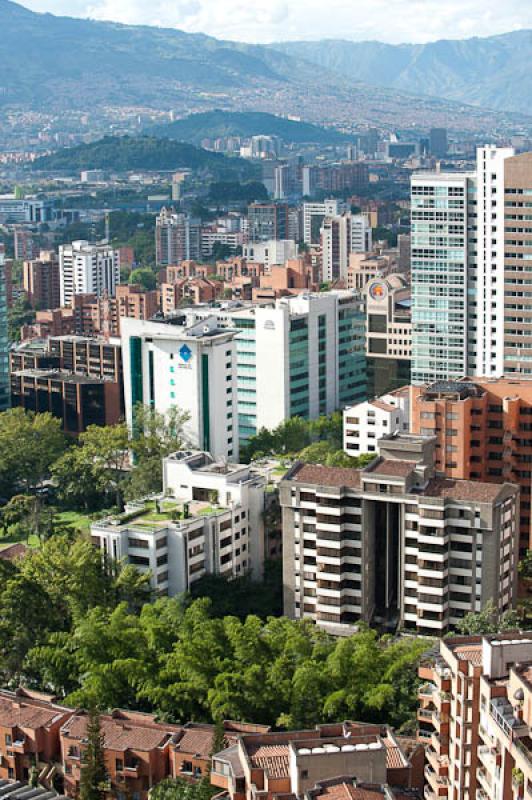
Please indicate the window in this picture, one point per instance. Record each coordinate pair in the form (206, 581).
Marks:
(9, 740)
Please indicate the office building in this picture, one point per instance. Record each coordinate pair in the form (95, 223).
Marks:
(366, 423)
(4, 338)
(315, 213)
(86, 268)
(341, 236)
(291, 763)
(438, 142)
(191, 366)
(19, 210)
(474, 717)
(302, 356)
(388, 334)
(469, 264)
(393, 544)
(208, 521)
(483, 432)
(41, 280)
(363, 267)
(177, 238)
(349, 176)
(267, 221)
(212, 236)
(268, 253)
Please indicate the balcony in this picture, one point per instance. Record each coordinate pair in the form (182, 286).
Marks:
(503, 714)
(19, 745)
(132, 770)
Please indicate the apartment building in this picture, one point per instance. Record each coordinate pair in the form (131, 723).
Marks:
(483, 430)
(270, 252)
(101, 316)
(301, 356)
(41, 280)
(4, 340)
(469, 264)
(189, 365)
(366, 423)
(177, 238)
(29, 732)
(209, 520)
(52, 322)
(388, 333)
(188, 291)
(314, 214)
(136, 752)
(86, 268)
(474, 718)
(267, 222)
(341, 236)
(291, 763)
(394, 544)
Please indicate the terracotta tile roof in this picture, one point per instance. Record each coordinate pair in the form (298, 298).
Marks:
(394, 755)
(346, 791)
(382, 405)
(272, 758)
(13, 551)
(463, 490)
(328, 476)
(123, 733)
(196, 741)
(388, 466)
(22, 712)
(469, 653)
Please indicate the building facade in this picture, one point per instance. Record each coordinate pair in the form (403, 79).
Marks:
(41, 281)
(389, 334)
(86, 268)
(366, 423)
(395, 545)
(191, 366)
(4, 339)
(209, 521)
(341, 236)
(177, 238)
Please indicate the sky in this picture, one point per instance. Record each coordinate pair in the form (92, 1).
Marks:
(280, 20)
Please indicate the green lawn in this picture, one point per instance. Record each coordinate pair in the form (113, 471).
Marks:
(77, 519)
(6, 541)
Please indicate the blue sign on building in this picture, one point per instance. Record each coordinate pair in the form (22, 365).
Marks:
(186, 353)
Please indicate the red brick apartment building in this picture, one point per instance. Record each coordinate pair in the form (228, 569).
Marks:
(483, 430)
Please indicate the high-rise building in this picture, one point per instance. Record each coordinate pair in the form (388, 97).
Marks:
(388, 334)
(86, 268)
(315, 213)
(267, 221)
(438, 142)
(394, 544)
(470, 258)
(177, 238)
(189, 366)
(41, 280)
(4, 339)
(302, 356)
(483, 432)
(341, 236)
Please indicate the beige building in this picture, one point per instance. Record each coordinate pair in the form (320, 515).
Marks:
(388, 333)
(475, 718)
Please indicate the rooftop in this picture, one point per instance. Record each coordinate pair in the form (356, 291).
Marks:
(391, 467)
(22, 710)
(124, 730)
(326, 476)
(469, 491)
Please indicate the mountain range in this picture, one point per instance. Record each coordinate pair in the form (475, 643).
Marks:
(492, 72)
(56, 64)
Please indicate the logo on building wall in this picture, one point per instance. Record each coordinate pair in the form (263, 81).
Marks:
(378, 290)
(186, 353)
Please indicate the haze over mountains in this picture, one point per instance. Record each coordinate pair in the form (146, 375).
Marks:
(55, 63)
(493, 72)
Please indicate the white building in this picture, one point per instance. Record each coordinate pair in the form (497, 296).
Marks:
(274, 251)
(366, 423)
(209, 520)
(190, 366)
(302, 356)
(314, 214)
(341, 236)
(86, 268)
(468, 273)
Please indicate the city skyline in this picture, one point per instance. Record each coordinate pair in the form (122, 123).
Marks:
(396, 23)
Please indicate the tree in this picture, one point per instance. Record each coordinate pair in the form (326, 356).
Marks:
(74, 476)
(106, 449)
(488, 621)
(525, 566)
(29, 445)
(93, 776)
(145, 277)
(180, 789)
